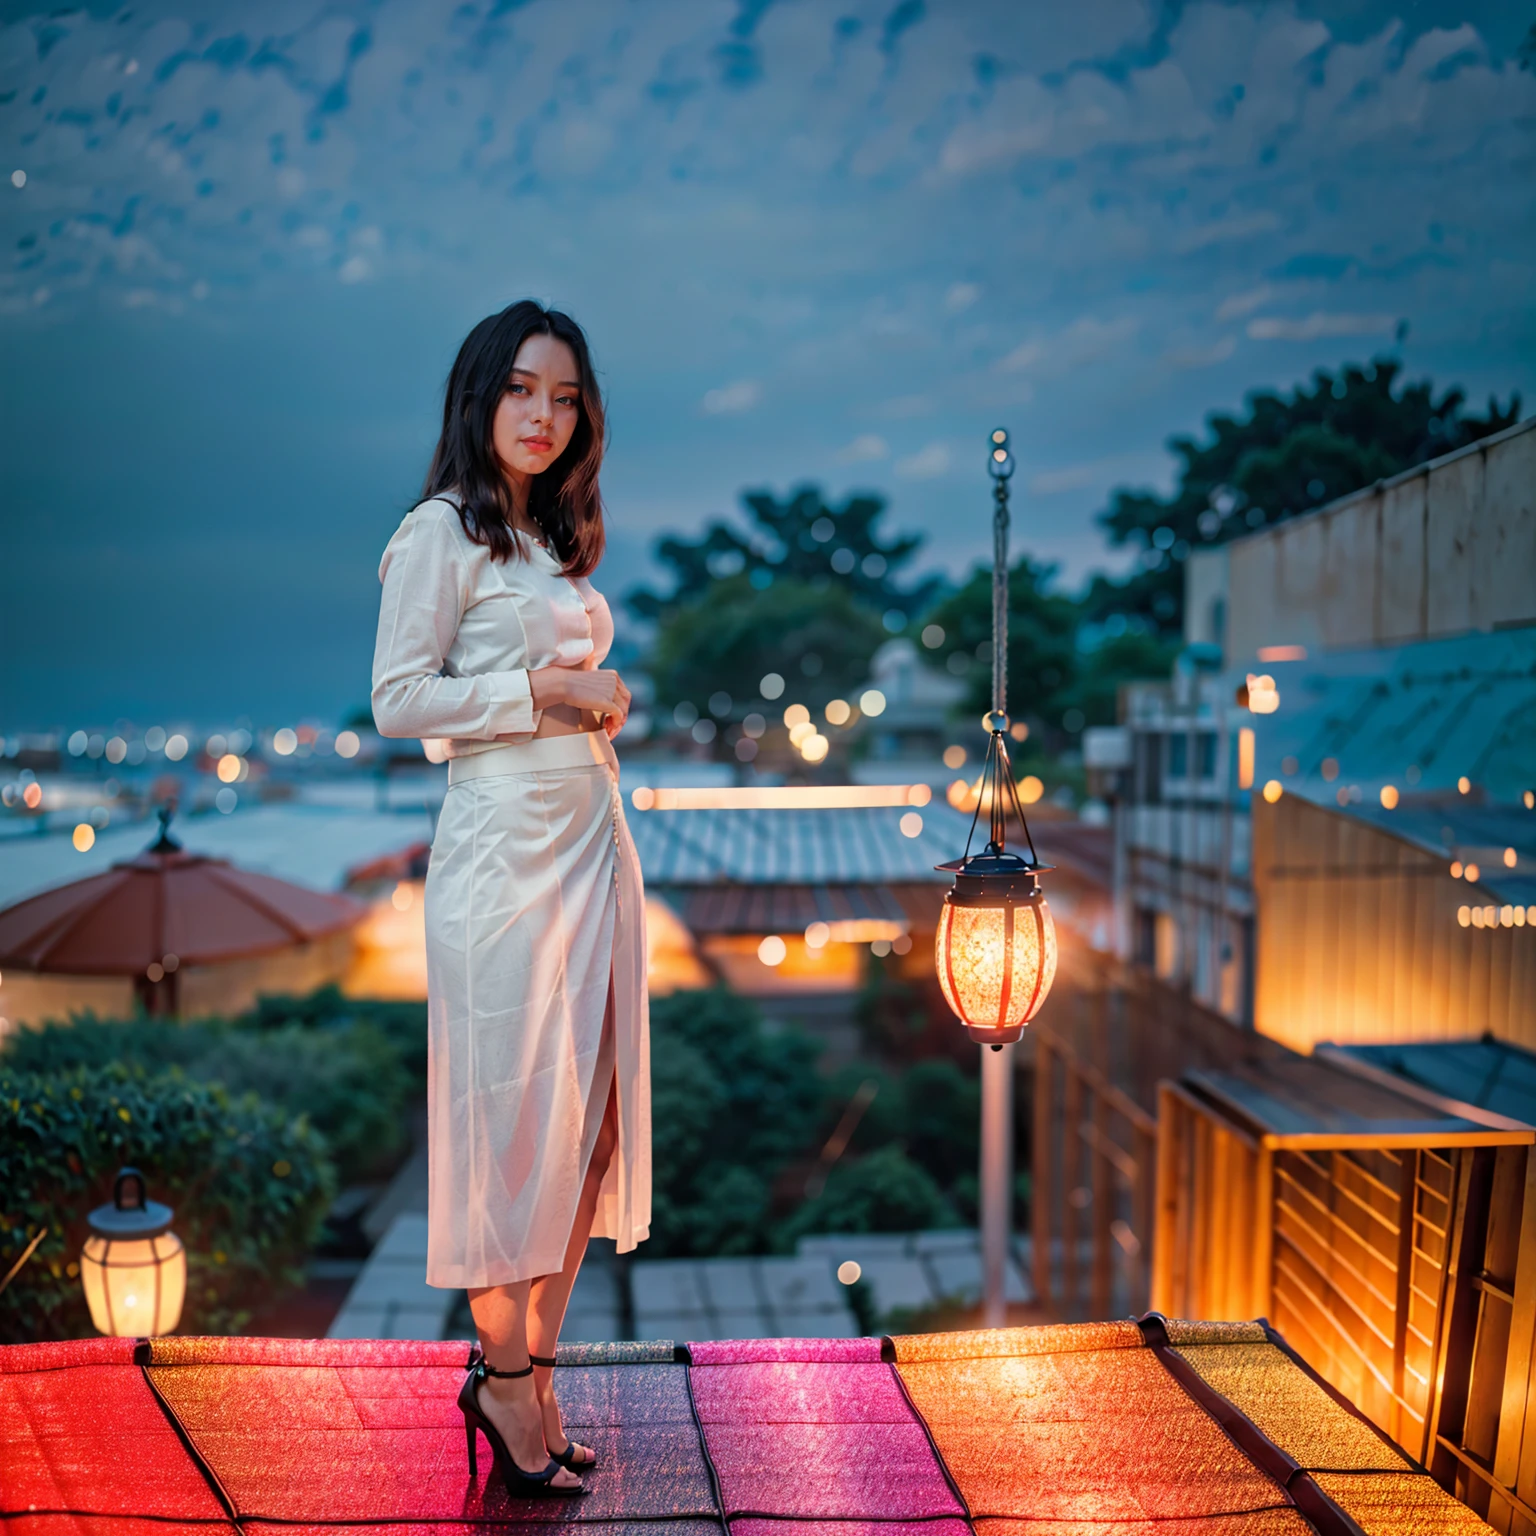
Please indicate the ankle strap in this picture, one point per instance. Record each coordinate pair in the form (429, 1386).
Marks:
(548, 1360)
(482, 1368)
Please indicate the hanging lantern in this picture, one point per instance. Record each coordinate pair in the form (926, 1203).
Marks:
(133, 1267)
(996, 945)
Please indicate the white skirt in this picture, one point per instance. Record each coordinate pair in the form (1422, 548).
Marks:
(536, 1005)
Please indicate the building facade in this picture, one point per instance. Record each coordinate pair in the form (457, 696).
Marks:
(1326, 821)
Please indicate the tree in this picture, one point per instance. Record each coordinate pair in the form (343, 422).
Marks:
(1288, 453)
(809, 592)
(820, 640)
(801, 540)
(1042, 641)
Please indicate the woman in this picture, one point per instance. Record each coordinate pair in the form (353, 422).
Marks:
(538, 1093)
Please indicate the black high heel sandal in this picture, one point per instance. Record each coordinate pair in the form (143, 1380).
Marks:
(520, 1484)
(567, 1457)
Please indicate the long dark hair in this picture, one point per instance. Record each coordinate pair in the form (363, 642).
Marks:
(564, 501)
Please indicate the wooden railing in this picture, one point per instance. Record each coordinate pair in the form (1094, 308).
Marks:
(1403, 1272)
(1093, 1166)
(1113, 1036)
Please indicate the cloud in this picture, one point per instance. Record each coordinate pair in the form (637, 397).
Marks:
(1240, 304)
(1319, 323)
(1099, 473)
(1224, 231)
(926, 464)
(1071, 477)
(1086, 340)
(1202, 357)
(732, 398)
(902, 408)
(855, 237)
(864, 449)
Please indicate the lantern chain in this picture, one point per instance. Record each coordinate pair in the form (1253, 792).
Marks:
(1001, 467)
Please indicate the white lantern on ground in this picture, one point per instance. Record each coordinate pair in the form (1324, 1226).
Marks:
(133, 1267)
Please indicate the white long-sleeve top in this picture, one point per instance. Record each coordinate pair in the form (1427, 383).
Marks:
(459, 632)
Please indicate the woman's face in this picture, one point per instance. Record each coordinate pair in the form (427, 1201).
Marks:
(539, 408)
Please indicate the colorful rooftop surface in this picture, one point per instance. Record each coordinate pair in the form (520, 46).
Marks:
(1150, 1429)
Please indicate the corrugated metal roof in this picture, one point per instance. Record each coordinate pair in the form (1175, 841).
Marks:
(792, 908)
(863, 846)
(1471, 834)
(1446, 708)
(1419, 718)
(1492, 1074)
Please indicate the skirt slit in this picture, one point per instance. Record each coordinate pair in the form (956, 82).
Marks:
(605, 1081)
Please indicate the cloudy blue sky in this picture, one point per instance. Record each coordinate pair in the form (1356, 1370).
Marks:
(810, 240)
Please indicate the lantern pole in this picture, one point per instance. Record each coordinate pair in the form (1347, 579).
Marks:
(997, 1062)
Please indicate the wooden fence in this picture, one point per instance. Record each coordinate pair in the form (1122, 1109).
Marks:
(1402, 1267)
(1114, 1036)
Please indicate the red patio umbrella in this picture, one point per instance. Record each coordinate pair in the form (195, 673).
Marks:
(147, 917)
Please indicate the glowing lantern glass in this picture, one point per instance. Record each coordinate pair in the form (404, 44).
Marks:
(995, 951)
(996, 946)
(133, 1267)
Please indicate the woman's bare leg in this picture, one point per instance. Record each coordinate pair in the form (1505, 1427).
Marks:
(501, 1320)
(552, 1293)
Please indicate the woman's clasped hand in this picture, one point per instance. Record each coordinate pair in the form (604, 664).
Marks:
(598, 689)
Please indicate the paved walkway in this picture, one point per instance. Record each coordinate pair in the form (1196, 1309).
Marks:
(797, 1296)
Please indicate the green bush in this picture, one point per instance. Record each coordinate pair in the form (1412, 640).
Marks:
(731, 1106)
(932, 1112)
(346, 1076)
(884, 1191)
(249, 1185)
(404, 1025)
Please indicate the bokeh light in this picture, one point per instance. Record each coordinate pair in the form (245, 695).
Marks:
(773, 950)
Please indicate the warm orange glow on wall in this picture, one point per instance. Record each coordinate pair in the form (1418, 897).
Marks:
(786, 797)
(390, 954)
(804, 967)
(1245, 758)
